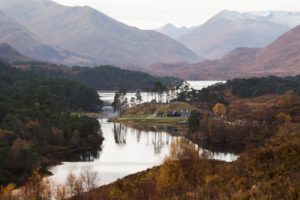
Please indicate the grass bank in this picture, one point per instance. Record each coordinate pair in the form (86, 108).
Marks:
(148, 113)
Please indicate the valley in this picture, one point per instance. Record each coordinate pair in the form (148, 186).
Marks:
(97, 102)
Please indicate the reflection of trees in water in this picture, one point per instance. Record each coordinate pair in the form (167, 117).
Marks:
(120, 132)
(154, 137)
(88, 156)
(172, 130)
(231, 148)
(138, 135)
(159, 140)
(84, 155)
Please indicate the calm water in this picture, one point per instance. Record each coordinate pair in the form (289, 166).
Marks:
(198, 85)
(108, 96)
(126, 150)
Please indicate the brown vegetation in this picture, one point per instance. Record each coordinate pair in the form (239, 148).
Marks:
(269, 172)
(280, 58)
(39, 188)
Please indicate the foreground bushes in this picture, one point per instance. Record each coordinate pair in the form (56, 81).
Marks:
(38, 188)
(269, 172)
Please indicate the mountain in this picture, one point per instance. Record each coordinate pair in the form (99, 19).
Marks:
(9, 54)
(230, 66)
(281, 58)
(88, 32)
(29, 44)
(229, 30)
(292, 19)
(173, 31)
(100, 77)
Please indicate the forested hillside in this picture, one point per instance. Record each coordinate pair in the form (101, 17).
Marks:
(257, 118)
(36, 123)
(268, 172)
(104, 77)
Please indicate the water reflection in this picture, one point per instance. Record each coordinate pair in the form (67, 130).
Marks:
(138, 136)
(127, 150)
(83, 155)
(155, 137)
(233, 148)
(157, 142)
(120, 132)
(170, 129)
(88, 157)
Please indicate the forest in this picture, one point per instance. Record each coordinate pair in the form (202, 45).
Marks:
(104, 77)
(242, 88)
(258, 118)
(242, 113)
(36, 123)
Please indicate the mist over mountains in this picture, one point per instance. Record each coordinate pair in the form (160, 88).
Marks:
(173, 31)
(30, 44)
(228, 45)
(90, 35)
(229, 30)
(281, 58)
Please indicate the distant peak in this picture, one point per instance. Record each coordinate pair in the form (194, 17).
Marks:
(169, 25)
(260, 13)
(228, 12)
(172, 26)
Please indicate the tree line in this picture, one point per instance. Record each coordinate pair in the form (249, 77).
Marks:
(243, 88)
(104, 77)
(267, 172)
(36, 123)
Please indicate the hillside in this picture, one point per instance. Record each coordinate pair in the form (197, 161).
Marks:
(31, 45)
(36, 127)
(261, 114)
(9, 54)
(229, 30)
(88, 32)
(101, 77)
(280, 58)
(270, 170)
(230, 66)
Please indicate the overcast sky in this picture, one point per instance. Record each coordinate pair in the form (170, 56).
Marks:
(149, 14)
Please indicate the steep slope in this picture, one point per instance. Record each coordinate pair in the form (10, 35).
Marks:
(230, 66)
(27, 43)
(229, 30)
(9, 54)
(281, 58)
(88, 32)
(173, 31)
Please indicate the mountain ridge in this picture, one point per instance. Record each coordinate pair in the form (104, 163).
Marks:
(229, 30)
(90, 33)
(9, 54)
(173, 31)
(280, 58)
(29, 44)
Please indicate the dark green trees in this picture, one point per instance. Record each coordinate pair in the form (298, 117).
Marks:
(138, 96)
(120, 103)
(36, 123)
(104, 77)
(194, 120)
